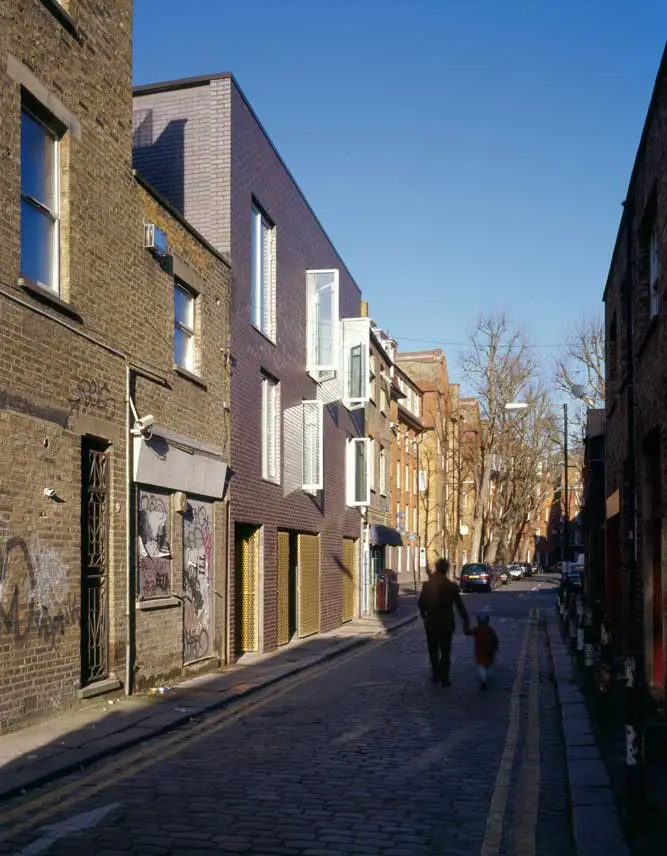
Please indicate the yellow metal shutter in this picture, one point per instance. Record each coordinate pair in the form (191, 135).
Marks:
(309, 585)
(250, 562)
(349, 578)
(283, 588)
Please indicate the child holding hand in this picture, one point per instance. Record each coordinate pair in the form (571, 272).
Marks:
(486, 646)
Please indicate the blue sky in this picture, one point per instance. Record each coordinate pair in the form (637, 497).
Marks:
(463, 155)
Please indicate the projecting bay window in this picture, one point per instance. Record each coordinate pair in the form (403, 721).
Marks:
(40, 192)
(313, 437)
(358, 462)
(356, 375)
(322, 320)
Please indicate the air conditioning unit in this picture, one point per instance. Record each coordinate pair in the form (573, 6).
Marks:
(155, 239)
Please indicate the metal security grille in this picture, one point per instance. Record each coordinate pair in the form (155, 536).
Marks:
(349, 578)
(250, 562)
(309, 585)
(94, 583)
(283, 588)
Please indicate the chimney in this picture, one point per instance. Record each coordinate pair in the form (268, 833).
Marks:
(364, 309)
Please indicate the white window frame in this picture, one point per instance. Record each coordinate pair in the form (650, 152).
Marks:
(354, 497)
(315, 364)
(383, 471)
(312, 473)
(270, 430)
(189, 331)
(41, 207)
(373, 463)
(372, 374)
(654, 270)
(383, 397)
(262, 273)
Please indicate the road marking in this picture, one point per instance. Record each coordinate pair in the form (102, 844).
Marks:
(528, 790)
(498, 807)
(537, 587)
(130, 763)
(74, 824)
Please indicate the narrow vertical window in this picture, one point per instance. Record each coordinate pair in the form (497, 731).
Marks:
(269, 430)
(40, 232)
(262, 272)
(185, 353)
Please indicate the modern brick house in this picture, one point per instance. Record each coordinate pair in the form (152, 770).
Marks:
(110, 548)
(299, 349)
(636, 381)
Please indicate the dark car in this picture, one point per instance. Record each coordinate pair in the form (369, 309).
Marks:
(527, 569)
(478, 576)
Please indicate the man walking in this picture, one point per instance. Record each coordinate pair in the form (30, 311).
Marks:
(439, 596)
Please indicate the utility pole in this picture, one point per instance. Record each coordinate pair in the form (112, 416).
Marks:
(566, 519)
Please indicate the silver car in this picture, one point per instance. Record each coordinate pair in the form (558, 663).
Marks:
(515, 572)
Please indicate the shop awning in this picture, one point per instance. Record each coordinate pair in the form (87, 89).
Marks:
(385, 536)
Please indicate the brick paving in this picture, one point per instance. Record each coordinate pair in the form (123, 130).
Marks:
(361, 756)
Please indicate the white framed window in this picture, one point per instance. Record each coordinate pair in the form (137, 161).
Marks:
(356, 362)
(358, 475)
(40, 201)
(322, 315)
(406, 483)
(383, 471)
(398, 475)
(422, 481)
(185, 342)
(262, 273)
(414, 518)
(270, 429)
(372, 374)
(464, 501)
(415, 486)
(373, 447)
(313, 445)
(654, 270)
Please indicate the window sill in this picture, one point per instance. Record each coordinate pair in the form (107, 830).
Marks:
(263, 334)
(188, 375)
(275, 482)
(99, 688)
(63, 18)
(158, 603)
(45, 295)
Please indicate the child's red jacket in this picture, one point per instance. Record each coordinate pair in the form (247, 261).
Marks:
(486, 643)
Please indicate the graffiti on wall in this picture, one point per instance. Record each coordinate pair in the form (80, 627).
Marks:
(93, 396)
(197, 579)
(153, 548)
(35, 596)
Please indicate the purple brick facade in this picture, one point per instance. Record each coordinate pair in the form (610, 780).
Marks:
(220, 147)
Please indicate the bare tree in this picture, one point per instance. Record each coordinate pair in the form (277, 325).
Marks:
(583, 361)
(499, 367)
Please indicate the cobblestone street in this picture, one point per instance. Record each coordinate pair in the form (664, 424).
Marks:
(360, 756)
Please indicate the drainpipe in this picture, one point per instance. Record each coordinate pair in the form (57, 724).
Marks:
(129, 623)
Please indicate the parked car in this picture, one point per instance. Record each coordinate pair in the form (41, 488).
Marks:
(515, 572)
(503, 573)
(527, 569)
(478, 576)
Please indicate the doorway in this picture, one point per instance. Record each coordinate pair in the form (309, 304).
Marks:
(246, 587)
(349, 578)
(287, 566)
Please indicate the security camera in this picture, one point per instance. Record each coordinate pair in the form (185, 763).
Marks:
(145, 422)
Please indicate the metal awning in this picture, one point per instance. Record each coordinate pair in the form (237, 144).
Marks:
(385, 536)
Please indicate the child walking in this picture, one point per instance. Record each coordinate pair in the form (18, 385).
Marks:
(486, 646)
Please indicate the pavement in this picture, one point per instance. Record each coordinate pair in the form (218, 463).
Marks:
(344, 748)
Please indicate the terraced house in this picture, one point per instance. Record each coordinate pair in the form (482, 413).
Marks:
(299, 350)
(114, 383)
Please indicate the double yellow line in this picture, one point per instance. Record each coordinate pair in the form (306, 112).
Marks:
(32, 813)
(528, 793)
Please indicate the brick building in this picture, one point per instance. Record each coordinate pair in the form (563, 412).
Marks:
(428, 369)
(299, 345)
(636, 428)
(91, 320)
(408, 431)
(469, 463)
